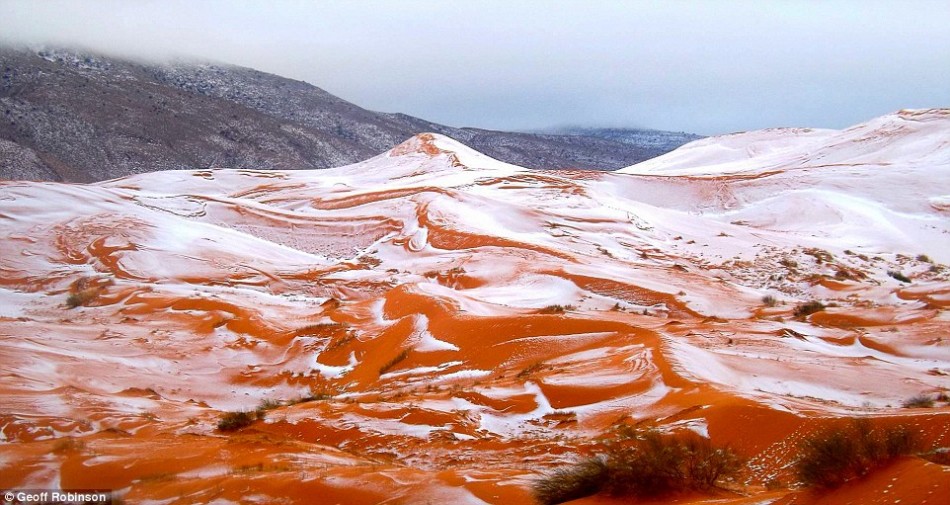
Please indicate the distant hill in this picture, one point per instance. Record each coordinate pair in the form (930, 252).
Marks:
(71, 116)
(658, 140)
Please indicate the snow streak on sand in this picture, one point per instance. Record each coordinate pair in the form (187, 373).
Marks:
(433, 322)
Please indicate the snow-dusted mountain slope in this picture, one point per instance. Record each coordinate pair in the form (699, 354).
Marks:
(660, 140)
(79, 117)
(425, 322)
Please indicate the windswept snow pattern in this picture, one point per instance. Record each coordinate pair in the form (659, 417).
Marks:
(422, 324)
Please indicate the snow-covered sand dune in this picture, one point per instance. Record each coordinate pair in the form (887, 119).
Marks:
(446, 317)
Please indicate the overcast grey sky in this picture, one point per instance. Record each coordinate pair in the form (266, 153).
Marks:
(699, 66)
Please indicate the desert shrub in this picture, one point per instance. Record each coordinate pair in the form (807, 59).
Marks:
(809, 308)
(769, 301)
(832, 457)
(268, 404)
(310, 397)
(924, 258)
(655, 464)
(81, 298)
(919, 401)
(556, 309)
(570, 483)
(233, 421)
(899, 276)
(645, 465)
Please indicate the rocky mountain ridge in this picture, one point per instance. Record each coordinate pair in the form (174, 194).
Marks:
(77, 117)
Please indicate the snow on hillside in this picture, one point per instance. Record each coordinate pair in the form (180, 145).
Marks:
(873, 188)
(82, 117)
(915, 137)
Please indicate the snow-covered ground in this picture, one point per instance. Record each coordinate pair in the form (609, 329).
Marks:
(433, 291)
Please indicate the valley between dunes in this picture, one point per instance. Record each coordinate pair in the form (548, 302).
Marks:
(435, 326)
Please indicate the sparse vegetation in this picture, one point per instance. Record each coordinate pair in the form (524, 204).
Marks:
(899, 276)
(920, 401)
(347, 337)
(832, 457)
(393, 362)
(320, 329)
(557, 309)
(530, 369)
(562, 416)
(923, 258)
(647, 464)
(843, 273)
(788, 263)
(85, 290)
(769, 301)
(81, 298)
(233, 421)
(809, 308)
(310, 397)
(268, 404)
(821, 256)
(585, 478)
